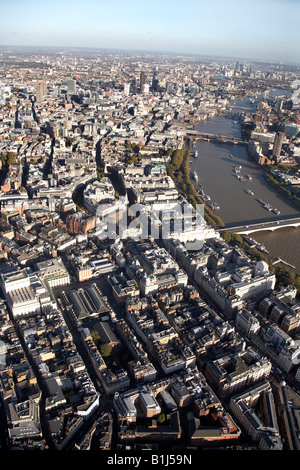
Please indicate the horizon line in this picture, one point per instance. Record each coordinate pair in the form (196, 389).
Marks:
(156, 52)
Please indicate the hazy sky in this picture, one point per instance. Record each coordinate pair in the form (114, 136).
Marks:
(262, 29)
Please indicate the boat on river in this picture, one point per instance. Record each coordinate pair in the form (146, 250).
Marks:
(195, 175)
(261, 247)
(213, 205)
(248, 191)
(250, 241)
(237, 168)
(255, 244)
(268, 207)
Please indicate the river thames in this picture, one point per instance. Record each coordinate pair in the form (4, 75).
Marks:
(215, 166)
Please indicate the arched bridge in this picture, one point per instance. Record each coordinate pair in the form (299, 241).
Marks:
(261, 226)
(224, 139)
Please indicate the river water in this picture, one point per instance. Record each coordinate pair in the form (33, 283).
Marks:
(215, 167)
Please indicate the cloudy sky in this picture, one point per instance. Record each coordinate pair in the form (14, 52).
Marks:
(259, 29)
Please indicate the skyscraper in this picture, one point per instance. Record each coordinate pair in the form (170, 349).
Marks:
(143, 78)
(41, 91)
(145, 88)
(155, 81)
(278, 144)
(236, 69)
(71, 87)
(126, 88)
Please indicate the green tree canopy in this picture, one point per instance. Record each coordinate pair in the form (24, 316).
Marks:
(105, 350)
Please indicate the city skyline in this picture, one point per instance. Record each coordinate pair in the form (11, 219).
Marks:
(136, 310)
(262, 30)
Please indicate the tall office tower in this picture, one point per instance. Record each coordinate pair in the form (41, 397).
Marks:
(278, 144)
(279, 104)
(145, 88)
(143, 78)
(126, 88)
(133, 86)
(41, 91)
(237, 66)
(71, 87)
(155, 81)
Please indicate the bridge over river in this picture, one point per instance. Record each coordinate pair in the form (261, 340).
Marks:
(224, 139)
(270, 225)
